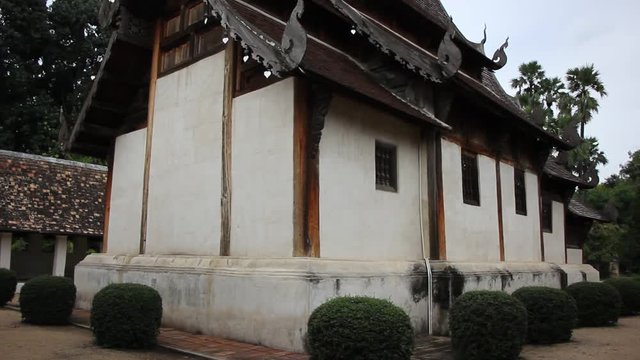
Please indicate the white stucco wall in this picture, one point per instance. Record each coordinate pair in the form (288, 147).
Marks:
(554, 241)
(574, 256)
(184, 178)
(262, 172)
(471, 231)
(521, 233)
(126, 194)
(356, 220)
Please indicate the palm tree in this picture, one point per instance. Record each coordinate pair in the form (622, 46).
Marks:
(528, 83)
(582, 82)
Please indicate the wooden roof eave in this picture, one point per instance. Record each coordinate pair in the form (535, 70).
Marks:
(77, 128)
(473, 85)
(439, 16)
(319, 58)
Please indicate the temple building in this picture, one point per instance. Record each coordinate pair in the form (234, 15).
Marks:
(51, 213)
(265, 156)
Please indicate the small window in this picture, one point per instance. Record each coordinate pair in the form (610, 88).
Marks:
(520, 192)
(195, 14)
(172, 26)
(470, 186)
(547, 216)
(386, 167)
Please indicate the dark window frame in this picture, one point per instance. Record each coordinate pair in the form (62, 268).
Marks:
(546, 212)
(188, 34)
(520, 191)
(386, 166)
(470, 178)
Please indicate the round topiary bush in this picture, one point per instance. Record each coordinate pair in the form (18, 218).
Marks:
(487, 325)
(359, 328)
(598, 303)
(126, 316)
(47, 300)
(8, 283)
(551, 314)
(629, 290)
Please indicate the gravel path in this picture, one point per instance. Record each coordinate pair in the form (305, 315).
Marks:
(620, 342)
(23, 341)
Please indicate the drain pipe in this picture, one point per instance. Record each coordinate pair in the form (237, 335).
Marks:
(427, 264)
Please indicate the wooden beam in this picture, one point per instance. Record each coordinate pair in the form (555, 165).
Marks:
(500, 221)
(101, 105)
(301, 163)
(227, 112)
(442, 240)
(155, 58)
(107, 199)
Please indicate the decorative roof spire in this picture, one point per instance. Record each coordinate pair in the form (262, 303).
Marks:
(500, 56)
(449, 56)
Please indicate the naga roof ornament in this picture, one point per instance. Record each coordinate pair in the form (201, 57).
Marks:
(412, 57)
(500, 56)
(278, 58)
(449, 56)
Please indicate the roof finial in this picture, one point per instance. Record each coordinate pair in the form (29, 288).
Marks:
(484, 38)
(500, 56)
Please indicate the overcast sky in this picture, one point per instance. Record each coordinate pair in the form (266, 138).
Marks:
(561, 34)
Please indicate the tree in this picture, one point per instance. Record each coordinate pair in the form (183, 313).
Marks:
(623, 192)
(562, 103)
(582, 83)
(47, 56)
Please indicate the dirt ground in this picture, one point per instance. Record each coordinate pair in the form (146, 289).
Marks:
(23, 341)
(621, 342)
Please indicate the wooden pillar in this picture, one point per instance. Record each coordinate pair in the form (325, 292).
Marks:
(5, 250)
(107, 199)
(540, 217)
(153, 77)
(500, 221)
(437, 236)
(301, 178)
(227, 134)
(60, 255)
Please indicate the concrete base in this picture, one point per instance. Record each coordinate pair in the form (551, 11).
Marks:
(451, 279)
(268, 301)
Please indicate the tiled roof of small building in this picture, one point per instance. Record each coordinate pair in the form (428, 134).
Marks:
(581, 209)
(47, 195)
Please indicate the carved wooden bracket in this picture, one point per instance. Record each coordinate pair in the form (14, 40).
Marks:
(321, 96)
(449, 56)
(278, 58)
(437, 70)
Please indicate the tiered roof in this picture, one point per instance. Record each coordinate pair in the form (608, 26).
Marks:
(47, 195)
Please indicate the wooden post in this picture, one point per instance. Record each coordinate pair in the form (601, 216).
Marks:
(500, 223)
(540, 218)
(300, 165)
(442, 238)
(227, 117)
(107, 199)
(153, 77)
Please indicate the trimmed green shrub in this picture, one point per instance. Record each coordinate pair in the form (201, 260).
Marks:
(629, 290)
(359, 328)
(47, 300)
(487, 325)
(8, 283)
(126, 316)
(598, 303)
(551, 314)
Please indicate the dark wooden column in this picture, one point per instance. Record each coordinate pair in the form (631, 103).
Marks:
(153, 77)
(230, 64)
(499, 198)
(311, 104)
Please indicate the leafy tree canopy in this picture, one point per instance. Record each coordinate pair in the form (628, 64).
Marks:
(47, 56)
